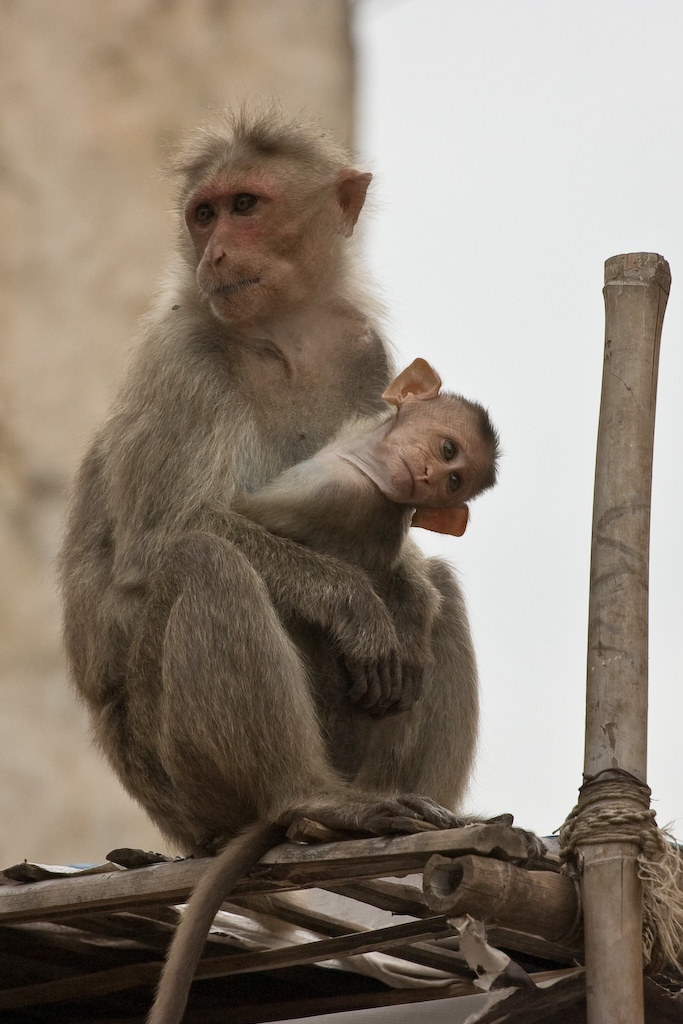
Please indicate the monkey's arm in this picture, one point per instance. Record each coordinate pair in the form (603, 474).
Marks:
(327, 505)
(320, 589)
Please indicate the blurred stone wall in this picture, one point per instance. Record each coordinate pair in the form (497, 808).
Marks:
(92, 96)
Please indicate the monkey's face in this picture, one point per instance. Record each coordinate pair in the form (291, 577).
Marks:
(435, 457)
(265, 245)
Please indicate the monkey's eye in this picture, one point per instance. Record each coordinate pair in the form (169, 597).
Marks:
(244, 202)
(454, 482)
(449, 451)
(204, 213)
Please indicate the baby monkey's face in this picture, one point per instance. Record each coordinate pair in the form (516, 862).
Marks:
(435, 454)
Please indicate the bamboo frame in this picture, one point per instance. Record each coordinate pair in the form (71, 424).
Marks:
(284, 867)
(118, 904)
(636, 292)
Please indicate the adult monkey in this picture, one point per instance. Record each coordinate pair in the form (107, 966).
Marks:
(180, 615)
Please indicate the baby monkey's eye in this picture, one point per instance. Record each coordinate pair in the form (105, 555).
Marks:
(244, 202)
(454, 482)
(449, 450)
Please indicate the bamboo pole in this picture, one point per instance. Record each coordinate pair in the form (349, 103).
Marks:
(542, 903)
(636, 292)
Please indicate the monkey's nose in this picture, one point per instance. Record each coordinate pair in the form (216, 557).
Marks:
(217, 255)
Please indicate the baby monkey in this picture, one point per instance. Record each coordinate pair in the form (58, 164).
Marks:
(356, 500)
(433, 455)
(358, 496)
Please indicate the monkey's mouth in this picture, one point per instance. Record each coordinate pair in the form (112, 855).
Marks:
(234, 286)
(404, 481)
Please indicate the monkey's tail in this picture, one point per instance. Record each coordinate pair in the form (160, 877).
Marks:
(217, 882)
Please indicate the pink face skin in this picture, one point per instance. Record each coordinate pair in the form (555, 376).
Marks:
(258, 255)
(424, 456)
(434, 461)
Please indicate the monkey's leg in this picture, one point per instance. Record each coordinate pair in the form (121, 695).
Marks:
(429, 749)
(230, 716)
(220, 692)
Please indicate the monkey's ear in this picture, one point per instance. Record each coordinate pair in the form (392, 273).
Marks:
(442, 520)
(352, 187)
(417, 382)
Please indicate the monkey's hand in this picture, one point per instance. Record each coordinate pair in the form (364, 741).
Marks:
(395, 685)
(369, 649)
(388, 686)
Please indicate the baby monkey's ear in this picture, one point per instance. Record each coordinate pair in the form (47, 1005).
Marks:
(442, 520)
(417, 382)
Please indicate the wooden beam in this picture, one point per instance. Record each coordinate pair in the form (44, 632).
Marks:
(288, 866)
(539, 903)
(636, 292)
(372, 858)
(408, 899)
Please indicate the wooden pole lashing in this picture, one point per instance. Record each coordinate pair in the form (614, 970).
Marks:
(636, 292)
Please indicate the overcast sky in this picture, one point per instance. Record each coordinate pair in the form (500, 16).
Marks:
(516, 146)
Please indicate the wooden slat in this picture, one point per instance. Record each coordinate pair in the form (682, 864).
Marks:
(381, 856)
(288, 1010)
(121, 890)
(326, 949)
(48, 943)
(153, 934)
(396, 897)
(314, 920)
(103, 982)
(533, 945)
(428, 954)
(313, 1007)
(284, 867)
(425, 954)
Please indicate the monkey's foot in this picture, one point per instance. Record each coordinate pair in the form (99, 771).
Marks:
(408, 813)
(533, 843)
(411, 813)
(390, 817)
